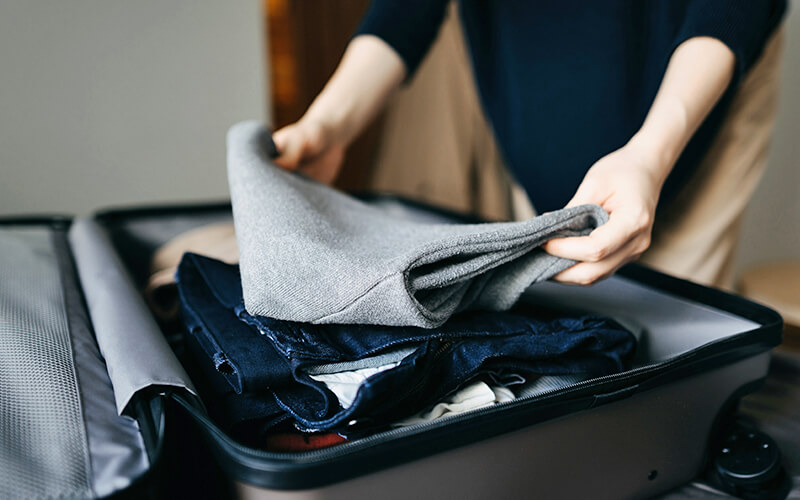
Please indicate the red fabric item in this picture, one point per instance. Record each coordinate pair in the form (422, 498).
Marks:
(287, 442)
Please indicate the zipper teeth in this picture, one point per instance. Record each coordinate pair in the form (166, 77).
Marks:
(347, 448)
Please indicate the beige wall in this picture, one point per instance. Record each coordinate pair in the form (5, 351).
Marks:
(108, 103)
(772, 223)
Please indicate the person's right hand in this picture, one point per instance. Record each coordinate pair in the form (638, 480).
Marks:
(307, 147)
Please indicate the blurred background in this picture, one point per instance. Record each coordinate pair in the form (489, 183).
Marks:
(118, 103)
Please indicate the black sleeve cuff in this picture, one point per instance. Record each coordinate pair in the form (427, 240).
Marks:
(743, 25)
(408, 26)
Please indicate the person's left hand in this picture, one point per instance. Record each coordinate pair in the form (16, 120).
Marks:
(626, 184)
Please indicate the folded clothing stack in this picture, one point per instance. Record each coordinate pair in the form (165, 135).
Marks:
(263, 371)
(345, 317)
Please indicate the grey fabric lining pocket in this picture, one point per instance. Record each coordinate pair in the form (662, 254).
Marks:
(117, 454)
(129, 339)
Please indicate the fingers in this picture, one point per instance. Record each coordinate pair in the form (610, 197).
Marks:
(595, 247)
(622, 239)
(290, 144)
(304, 148)
(587, 273)
(621, 184)
(606, 240)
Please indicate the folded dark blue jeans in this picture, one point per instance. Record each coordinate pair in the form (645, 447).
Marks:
(258, 354)
(244, 415)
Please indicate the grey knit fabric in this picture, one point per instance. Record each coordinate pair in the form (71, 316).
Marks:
(313, 254)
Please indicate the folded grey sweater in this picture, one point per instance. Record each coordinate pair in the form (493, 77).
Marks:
(313, 254)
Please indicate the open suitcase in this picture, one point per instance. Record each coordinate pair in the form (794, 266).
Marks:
(95, 403)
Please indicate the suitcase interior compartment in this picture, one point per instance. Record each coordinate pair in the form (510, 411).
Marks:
(700, 349)
(61, 433)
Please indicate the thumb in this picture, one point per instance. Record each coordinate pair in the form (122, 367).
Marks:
(290, 144)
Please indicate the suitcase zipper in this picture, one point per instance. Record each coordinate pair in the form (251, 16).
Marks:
(344, 449)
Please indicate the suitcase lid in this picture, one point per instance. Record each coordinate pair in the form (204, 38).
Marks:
(58, 419)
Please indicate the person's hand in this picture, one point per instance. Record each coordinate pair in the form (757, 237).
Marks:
(369, 72)
(307, 147)
(628, 181)
(626, 186)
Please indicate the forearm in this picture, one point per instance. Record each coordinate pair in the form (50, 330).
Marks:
(627, 182)
(697, 75)
(368, 73)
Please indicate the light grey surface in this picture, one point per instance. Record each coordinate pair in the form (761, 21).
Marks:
(671, 324)
(108, 103)
(43, 447)
(136, 353)
(606, 452)
(313, 254)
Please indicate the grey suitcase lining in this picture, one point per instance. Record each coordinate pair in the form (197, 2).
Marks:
(56, 399)
(137, 354)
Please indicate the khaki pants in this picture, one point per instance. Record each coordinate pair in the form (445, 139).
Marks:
(437, 147)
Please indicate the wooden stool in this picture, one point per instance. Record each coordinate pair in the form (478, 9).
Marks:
(777, 285)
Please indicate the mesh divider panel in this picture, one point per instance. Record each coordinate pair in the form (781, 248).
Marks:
(43, 447)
